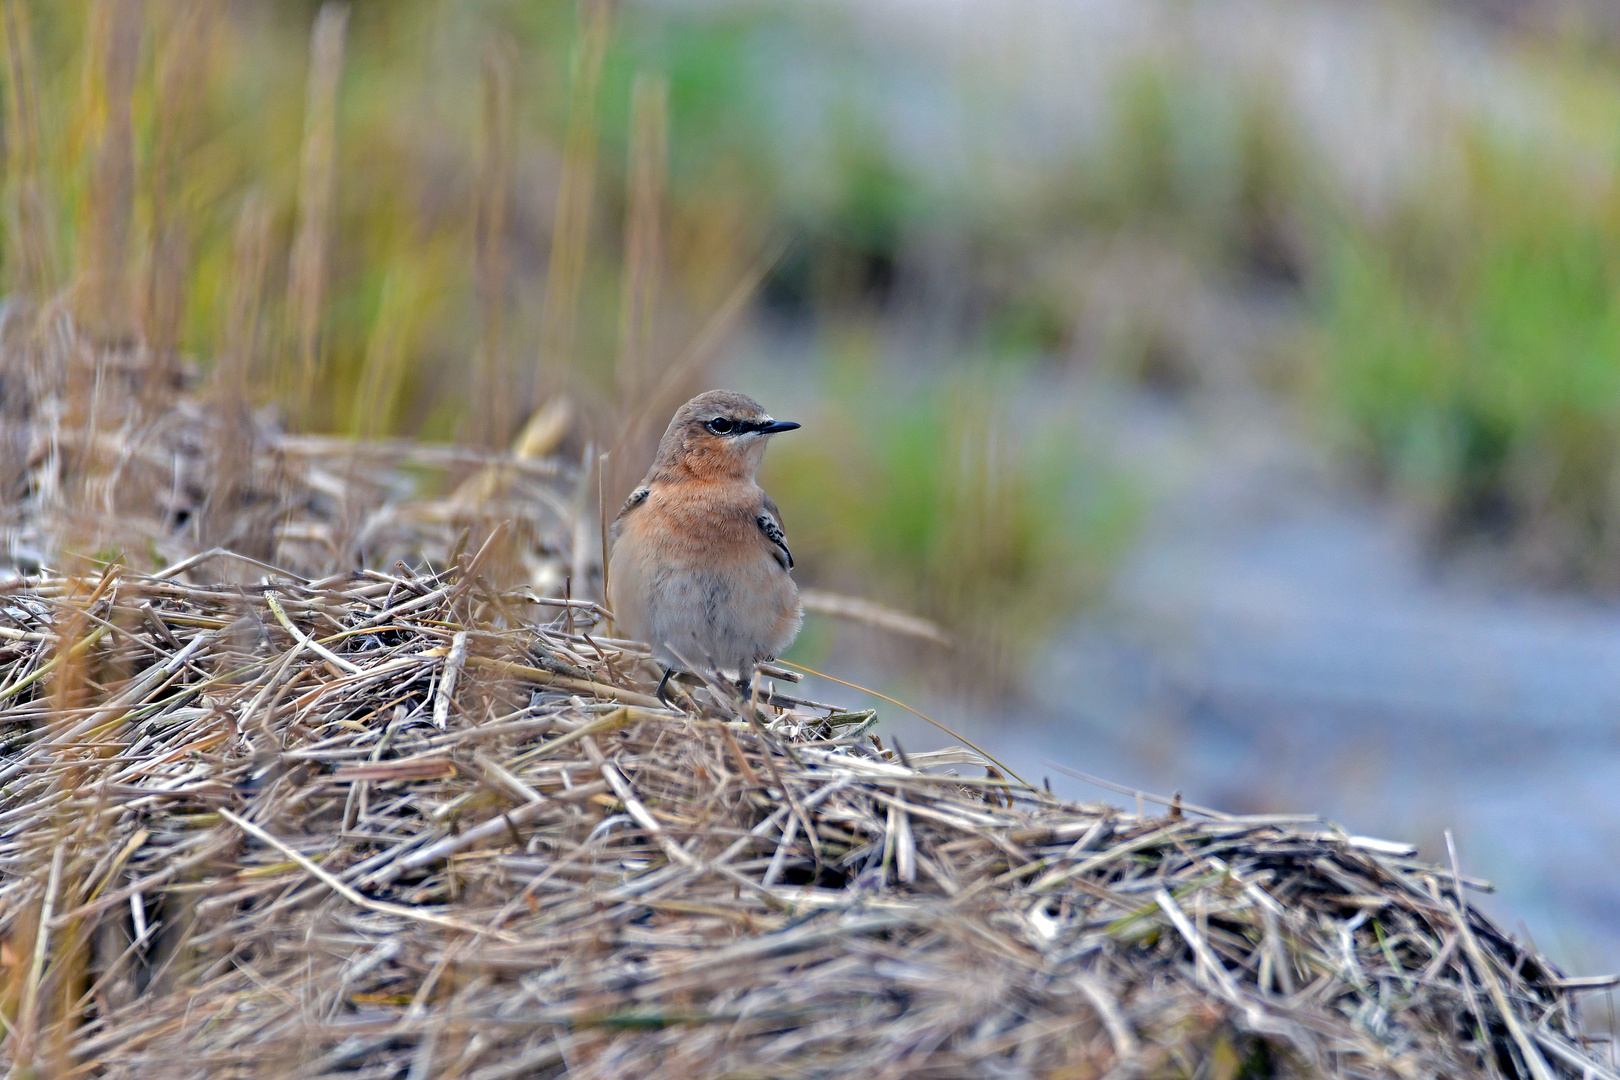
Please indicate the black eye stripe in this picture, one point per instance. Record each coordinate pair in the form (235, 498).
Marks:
(725, 425)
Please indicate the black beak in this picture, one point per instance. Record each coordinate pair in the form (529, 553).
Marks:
(776, 425)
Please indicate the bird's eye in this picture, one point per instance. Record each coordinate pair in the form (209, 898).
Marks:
(721, 425)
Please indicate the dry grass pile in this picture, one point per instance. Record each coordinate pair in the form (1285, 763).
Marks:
(99, 458)
(394, 825)
(423, 816)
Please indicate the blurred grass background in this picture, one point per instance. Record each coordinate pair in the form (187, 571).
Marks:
(428, 218)
(1471, 353)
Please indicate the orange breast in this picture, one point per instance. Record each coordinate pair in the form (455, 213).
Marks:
(693, 575)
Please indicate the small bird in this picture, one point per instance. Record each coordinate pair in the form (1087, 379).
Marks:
(700, 563)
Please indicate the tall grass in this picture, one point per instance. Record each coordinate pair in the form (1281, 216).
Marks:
(30, 262)
(1470, 352)
(182, 80)
(1462, 341)
(559, 311)
(306, 271)
(440, 220)
(491, 415)
(482, 152)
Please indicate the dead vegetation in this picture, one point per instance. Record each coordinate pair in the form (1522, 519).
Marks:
(380, 800)
(315, 758)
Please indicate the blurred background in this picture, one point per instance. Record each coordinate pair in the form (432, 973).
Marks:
(1237, 382)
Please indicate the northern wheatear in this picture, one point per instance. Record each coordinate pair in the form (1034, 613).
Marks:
(700, 565)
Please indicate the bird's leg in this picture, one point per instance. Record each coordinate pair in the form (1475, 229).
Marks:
(663, 684)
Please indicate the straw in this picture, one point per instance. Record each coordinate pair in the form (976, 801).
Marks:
(368, 801)
(354, 850)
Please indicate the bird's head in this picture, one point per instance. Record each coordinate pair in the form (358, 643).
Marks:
(718, 435)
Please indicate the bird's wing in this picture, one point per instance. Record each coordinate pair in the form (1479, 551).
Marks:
(770, 523)
(637, 497)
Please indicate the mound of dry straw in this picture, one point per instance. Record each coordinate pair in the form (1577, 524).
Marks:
(357, 826)
(430, 823)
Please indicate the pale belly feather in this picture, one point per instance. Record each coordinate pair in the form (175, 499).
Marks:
(729, 615)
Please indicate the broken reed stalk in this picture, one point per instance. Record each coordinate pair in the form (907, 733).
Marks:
(306, 271)
(184, 70)
(234, 371)
(30, 234)
(639, 278)
(250, 261)
(490, 420)
(571, 222)
(102, 300)
(643, 233)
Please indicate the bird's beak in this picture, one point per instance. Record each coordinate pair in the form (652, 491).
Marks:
(776, 425)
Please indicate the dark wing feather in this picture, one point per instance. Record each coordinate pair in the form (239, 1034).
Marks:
(770, 523)
(637, 497)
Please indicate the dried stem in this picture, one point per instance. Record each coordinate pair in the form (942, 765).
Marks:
(386, 779)
(559, 310)
(306, 272)
(643, 234)
(30, 233)
(183, 76)
(102, 302)
(491, 413)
